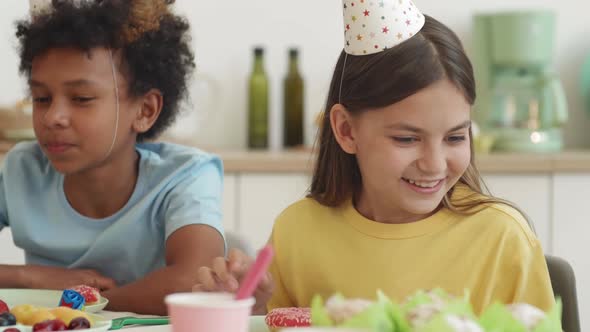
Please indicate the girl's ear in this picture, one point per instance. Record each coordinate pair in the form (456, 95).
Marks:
(342, 127)
(151, 107)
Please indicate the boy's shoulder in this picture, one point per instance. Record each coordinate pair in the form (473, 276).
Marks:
(170, 155)
(26, 153)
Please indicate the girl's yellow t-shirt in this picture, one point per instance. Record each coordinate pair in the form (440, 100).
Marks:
(492, 253)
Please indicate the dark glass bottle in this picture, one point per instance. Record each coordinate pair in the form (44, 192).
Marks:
(258, 95)
(293, 103)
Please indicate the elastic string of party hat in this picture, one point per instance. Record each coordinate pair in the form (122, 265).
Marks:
(116, 104)
(342, 79)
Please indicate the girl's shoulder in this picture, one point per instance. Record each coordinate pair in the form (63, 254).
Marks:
(505, 220)
(305, 213)
(495, 215)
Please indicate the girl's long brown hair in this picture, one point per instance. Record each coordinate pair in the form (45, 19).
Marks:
(381, 79)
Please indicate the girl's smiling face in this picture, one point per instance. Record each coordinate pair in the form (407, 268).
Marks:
(409, 153)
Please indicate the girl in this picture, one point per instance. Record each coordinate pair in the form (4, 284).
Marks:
(87, 203)
(395, 200)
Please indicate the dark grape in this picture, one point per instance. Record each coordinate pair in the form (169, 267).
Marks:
(79, 323)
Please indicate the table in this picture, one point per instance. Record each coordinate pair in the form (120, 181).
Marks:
(256, 323)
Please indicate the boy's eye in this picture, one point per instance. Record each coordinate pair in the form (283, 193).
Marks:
(41, 100)
(83, 100)
(405, 139)
(457, 138)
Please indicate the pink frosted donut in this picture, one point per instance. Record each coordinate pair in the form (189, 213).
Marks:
(288, 317)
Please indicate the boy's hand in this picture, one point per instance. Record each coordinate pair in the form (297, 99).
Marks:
(226, 276)
(47, 277)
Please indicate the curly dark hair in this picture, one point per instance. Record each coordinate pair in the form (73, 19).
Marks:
(157, 58)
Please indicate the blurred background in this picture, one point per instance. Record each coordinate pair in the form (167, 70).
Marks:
(532, 61)
(226, 32)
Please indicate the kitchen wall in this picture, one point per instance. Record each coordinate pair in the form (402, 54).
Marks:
(225, 31)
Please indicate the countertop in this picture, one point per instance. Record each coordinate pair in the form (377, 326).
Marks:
(299, 161)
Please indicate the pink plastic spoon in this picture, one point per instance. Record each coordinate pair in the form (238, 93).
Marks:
(255, 274)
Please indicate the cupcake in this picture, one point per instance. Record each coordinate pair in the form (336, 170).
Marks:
(354, 313)
(280, 318)
(425, 309)
(341, 310)
(450, 323)
(91, 295)
(528, 315)
(521, 317)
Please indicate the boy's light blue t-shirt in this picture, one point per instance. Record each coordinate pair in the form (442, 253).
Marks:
(176, 186)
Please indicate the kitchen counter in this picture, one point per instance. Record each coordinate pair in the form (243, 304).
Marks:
(291, 161)
(302, 161)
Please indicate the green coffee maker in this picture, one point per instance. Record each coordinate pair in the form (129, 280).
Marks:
(520, 99)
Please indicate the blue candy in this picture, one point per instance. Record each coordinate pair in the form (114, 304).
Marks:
(72, 299)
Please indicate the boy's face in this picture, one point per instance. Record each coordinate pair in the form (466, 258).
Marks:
(412, 152)
(74, 108)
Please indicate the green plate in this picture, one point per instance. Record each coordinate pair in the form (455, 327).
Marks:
(42, 298)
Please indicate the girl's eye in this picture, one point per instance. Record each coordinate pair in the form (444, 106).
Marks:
(457, 138)
(405, 140)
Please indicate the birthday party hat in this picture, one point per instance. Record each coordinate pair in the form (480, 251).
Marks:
(371, 26)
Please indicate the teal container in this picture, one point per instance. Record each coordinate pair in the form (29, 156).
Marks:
(522, 38)
(585, 84)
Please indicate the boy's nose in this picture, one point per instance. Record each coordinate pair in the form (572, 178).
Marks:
(56, 115)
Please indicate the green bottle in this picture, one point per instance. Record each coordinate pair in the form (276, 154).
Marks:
(258, 104)
(293, 103)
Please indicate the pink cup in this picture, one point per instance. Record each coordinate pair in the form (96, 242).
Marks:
(211, 312)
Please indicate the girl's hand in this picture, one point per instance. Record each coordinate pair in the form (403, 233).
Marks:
(226, 276)
(47, 277)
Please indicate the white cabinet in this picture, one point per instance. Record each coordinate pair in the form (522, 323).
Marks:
(571, 216)
(262, 197)
(532, 194)
(229, 202)
(9, 253)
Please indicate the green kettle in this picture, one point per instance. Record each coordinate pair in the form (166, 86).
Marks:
(585, 84)
(554, 104)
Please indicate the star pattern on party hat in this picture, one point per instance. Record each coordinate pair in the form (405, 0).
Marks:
(372, 26)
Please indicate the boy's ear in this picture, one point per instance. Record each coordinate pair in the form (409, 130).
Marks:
(342, 128)
(151, 107)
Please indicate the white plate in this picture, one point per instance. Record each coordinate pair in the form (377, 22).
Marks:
(100, 325)
(42, 298)
(49, 299)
